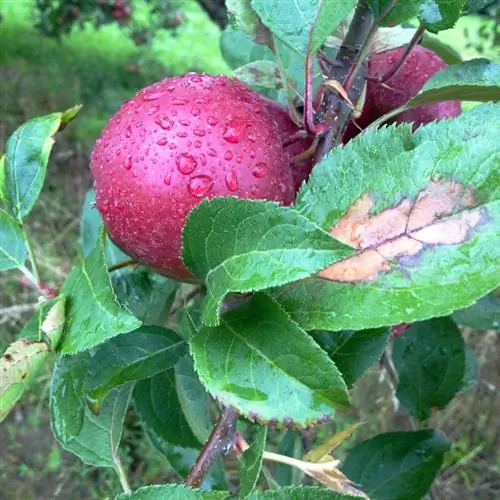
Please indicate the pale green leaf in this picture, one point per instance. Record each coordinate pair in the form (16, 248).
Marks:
(12, 245)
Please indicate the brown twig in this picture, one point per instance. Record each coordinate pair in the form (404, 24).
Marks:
(184, 300)
(221, 440)
(121, 265)
(395, 68)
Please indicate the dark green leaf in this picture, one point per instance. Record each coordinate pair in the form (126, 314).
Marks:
(353, 352)
(291, 445)
(250, 463)
(263, 364)
(133, 356)
(482, 315)
(157, 402)
(93, 313)
(12, 245)
(193, 398)
(292, 22)
(272, 245)
(430, 360)
(90, 228)
(27, 155)
(145, 293)
(421, 209)
(397, 465)
(475, 80)
(171, 492)
(300, 493)
(93, 438)
(435, 15)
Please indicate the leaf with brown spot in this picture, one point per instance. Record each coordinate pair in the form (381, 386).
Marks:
(422, 211)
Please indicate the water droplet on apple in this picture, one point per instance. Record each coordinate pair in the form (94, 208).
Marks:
(200, 185)
(154, 96)
(167, 179)
(234, 131)
(179, 101)
(128, 131)
(212, 121)
(128, 162)
(163, 141)
(186, 163)
(165, 122)
(211, 152)
(184, 122)
(259, 170)
(199, 132)
(195, 111)
(182, 134)
(153, 109)
(232, 180)
(228, 156)
(197, 144)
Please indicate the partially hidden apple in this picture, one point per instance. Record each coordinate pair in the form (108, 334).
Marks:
(177, 142)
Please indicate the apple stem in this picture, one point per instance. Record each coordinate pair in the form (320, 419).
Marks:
(308, 153)
(220, 441)
(395, 68)
(121, 265)
(298, 136)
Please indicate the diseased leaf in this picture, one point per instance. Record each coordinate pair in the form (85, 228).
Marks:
(93, 438)
(93, 313)
(482, 315)
(193, 398)
(240, 245)
(21, 359)
(26, 157)
(171, 492)
(242, 15)
(353, 352)
(145, 293)
(292, 22)
(12, 245)
(300, 493)
(260, 74)
(266, 367)
(435, 15)
(157, 402)
(422, 211)
(430, 360)
(137, 355)
(90, 228)
(397, 465)
(250, 463)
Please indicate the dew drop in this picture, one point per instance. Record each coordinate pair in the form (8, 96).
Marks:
(179, 101)
(211, 152)
(172, 145)
(212, 121)
(128, 131)
(255, 190)
(195, 111)
(199, 132)
(259, 170)
(128, 162)
(239, 159)
(184, 122)
(143, 133)
(165, 122)
(197, 144)
(200, 185)
(234, 131)
(154, 96)
(228, 156)
(170, 89)
(138, 124)
(182, 134)
(186, 163)
(163, 141)
(252, 154)
(167, 179)
(153, 109)
(232, 180)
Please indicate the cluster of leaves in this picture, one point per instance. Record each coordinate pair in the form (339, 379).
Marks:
(395, 227)
(57, 17)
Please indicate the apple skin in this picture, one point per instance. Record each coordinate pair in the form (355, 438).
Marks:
(175, 143)
(287, 129)
(381, 98)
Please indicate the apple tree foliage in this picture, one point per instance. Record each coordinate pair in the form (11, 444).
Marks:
(391, 244)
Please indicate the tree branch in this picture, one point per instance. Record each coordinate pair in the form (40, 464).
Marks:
(221, 440)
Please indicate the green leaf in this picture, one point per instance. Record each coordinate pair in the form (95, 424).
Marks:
(148, 295)
(137, 355)
(19, 362)
(264, 365)
(241, 15)
(250, 463)
(157, 402)
(482, 315)
(430, 360)
(292, 22)
(300, 493)
(397, 465)
(271, 245)
(12, 245)
(171, 492)
(475, 80)
(90, 228)
(93, 313)
(448, 54)
(260, 74)
(27, 155)
(421, 210)
(353, 352)
(93, 438)
(193, 398)
(435, 15)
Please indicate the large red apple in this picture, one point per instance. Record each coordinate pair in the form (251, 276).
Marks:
(175, 143)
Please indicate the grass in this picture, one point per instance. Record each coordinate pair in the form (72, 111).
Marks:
(101, 69)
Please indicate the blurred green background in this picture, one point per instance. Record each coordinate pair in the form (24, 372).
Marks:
(100, 69)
